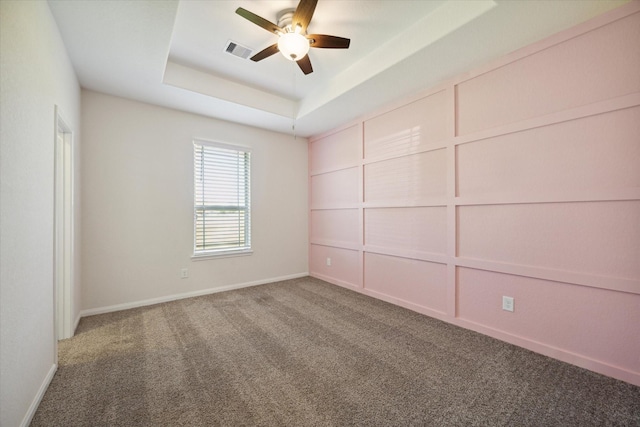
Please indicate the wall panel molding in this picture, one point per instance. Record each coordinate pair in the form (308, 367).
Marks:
(562, 196)
(407, 253)
(593, 109)
(562, 276)
(329, 170)
(541, 195)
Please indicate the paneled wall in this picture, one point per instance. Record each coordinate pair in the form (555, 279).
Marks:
(520, 179)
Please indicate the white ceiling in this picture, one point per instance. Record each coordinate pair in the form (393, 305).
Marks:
(171, 53)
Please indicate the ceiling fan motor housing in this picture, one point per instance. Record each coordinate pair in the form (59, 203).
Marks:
(285, 18)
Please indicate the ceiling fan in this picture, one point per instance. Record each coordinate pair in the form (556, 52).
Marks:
(293, 40)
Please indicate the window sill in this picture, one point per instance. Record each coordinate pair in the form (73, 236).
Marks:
(221, 254)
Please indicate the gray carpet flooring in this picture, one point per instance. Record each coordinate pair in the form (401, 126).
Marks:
(306, 353)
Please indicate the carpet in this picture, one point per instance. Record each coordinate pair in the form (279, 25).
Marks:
(304, 352)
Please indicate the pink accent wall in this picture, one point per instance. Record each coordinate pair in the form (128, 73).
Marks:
(341, 270)
(598, 238)
(335, 189)
(421, 283)
(576, 319)
(422, 229)
(520, 179)
(415, 178)
(592, 152)
(335, 226)
(332, 153)
(407, 129)
(595, 66)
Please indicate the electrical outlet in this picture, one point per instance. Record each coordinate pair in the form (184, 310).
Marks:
(329, 261)
(507, 303)
(184, 273)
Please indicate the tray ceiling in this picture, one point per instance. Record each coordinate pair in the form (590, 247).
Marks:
(172, 53)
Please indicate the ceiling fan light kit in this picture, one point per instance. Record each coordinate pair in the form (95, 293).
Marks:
(293, 40)
(293, 46)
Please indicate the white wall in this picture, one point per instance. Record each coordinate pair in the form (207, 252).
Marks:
(36, 74)
(137, 203)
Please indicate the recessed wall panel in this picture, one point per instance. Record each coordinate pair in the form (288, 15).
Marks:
(599, 65)
(338, 150)
(335, 225)
(335, 188)
(344, 263)
(412, 178)
(596, 323)
(599, 238)
(416, 229)
(418, 282)
(594, 152)
(406, 129)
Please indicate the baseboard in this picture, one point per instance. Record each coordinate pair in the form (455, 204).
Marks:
(535, 346)
(405, 304)
(335, 281)
(38, 398)
(175, 297)
(545, 349)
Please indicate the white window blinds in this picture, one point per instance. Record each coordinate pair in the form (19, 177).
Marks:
(222, 212)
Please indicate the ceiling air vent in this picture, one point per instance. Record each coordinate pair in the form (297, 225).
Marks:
(238, 50)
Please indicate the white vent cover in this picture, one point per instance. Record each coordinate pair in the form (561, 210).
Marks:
(238, 50)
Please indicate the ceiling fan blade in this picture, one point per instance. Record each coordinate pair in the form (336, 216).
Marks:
(305, 65)
(303, 14)
(265, 53)
(328, 42)
(259, 21)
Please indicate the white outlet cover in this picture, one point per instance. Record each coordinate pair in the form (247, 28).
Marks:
(507, 303)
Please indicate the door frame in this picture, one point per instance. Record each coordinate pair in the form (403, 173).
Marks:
(63, 228)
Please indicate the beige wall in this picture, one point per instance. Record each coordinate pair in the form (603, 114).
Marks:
(36, 76)
(137, 199)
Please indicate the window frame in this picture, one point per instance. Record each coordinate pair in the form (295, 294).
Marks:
(247, 249)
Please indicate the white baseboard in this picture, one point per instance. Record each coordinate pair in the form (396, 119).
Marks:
(36, 400)
(128, 305)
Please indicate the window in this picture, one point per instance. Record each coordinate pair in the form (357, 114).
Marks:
(222, 215)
